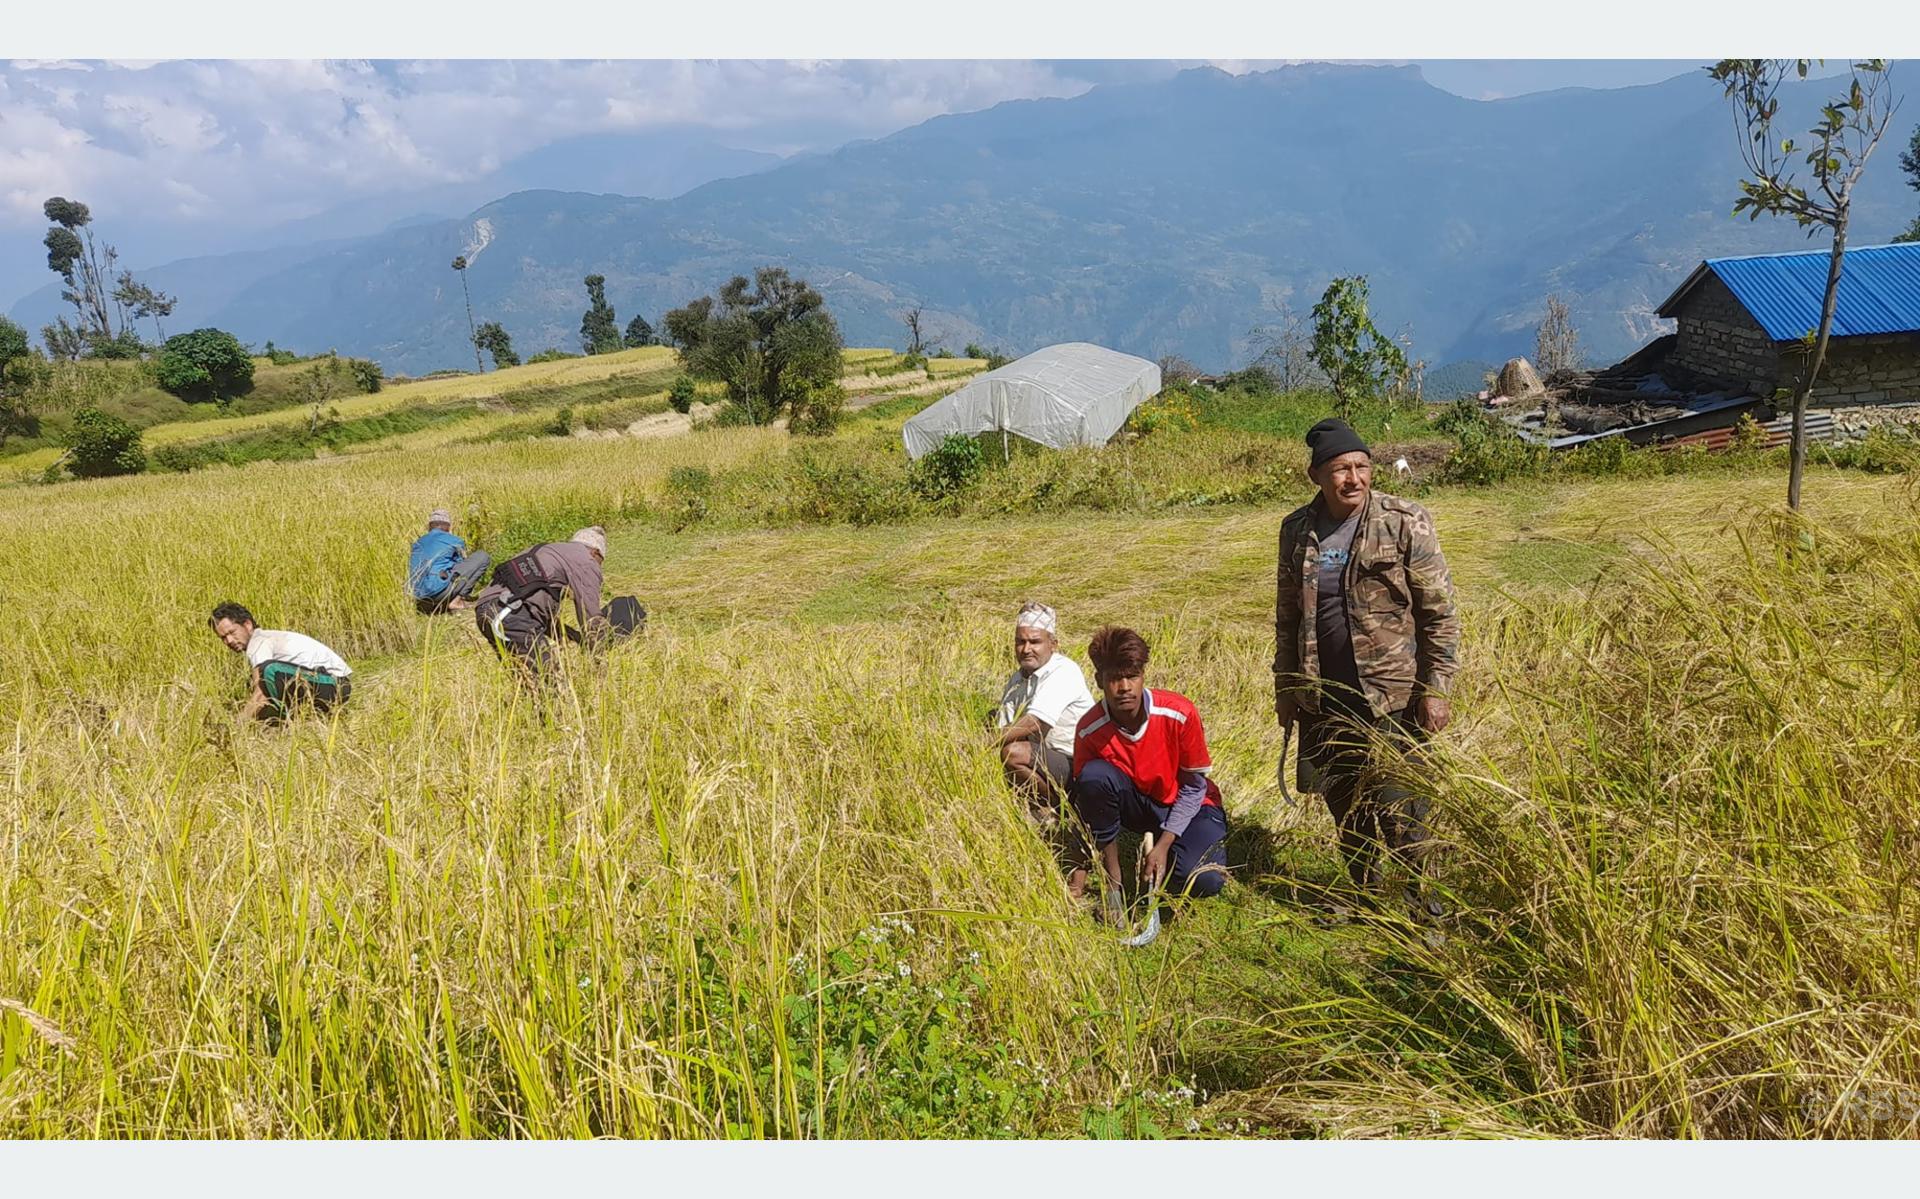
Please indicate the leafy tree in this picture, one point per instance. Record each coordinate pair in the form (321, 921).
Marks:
(102, 445)
(124, 345)
(104, 302)
(771, 340)
(492, 337)
(1849, 128)
(1360, 363)
(206, 364)
(18, 417)
(974, 350)
(141, 302)
(63, 341)
(460, 268)
(1910, 163)
(83, 264)
(599, 329)
(686, 326)
(367, 375)
(639, 333)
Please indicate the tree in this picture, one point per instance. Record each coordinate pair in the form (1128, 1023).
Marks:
(599, 328)
(1176, 371)
(83, 264)
(62, 340)
(103, 445)
(639, 333)
(142, 301)
(916, 330)
(1283, 348)
(460, 268)
(1556, 347)
(1844, 138)
(1360, 363)
(206, 364)
(18, 417)
(685, 326)
(492, 338)
(771, 340)
(1910, 163)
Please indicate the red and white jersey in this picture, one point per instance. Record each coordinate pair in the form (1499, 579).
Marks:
(1170, 741)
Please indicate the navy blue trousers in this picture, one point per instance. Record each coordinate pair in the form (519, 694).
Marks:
(1108, 801)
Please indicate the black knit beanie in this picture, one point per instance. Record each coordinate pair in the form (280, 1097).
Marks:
(1333, 437)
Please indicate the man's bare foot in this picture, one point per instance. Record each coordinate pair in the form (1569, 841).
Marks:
(1077, 884)
(456, 604)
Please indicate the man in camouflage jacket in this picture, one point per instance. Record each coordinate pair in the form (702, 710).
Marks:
(1366, 641)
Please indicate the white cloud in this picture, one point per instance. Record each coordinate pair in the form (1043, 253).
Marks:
(257, 142)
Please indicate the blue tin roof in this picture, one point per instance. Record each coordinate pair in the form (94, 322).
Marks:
(1879, 290)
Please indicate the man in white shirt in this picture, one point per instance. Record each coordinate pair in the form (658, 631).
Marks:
(290, 670)
(1039, 708)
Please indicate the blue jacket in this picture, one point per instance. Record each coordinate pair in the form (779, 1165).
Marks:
(431, 557)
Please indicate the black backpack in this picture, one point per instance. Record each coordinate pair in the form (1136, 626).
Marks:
(522, 577)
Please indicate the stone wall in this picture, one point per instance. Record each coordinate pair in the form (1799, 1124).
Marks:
(1864, 370)
(1719, 341)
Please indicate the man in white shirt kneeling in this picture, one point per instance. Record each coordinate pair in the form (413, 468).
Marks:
(290, 670)
(1039, 708)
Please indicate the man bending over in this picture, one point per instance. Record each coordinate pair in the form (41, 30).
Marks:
(290, 670)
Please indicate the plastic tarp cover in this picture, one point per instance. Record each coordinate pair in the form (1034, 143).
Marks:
(1065, 395)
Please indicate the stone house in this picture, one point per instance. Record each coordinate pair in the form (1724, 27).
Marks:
(1741, 323)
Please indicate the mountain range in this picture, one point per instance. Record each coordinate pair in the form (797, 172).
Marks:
(1158, 217)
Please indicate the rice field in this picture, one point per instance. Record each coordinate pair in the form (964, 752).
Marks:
(756, 874)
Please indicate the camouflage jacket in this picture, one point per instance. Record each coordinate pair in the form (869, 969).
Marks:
(1400, 609)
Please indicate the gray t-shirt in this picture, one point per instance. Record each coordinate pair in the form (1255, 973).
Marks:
(1336, 639)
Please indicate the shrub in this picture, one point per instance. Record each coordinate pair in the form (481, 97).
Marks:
(949, 469)
(816, 413)
(553, 355)
(562, 423)
(206, 364)
(280, 357)
(912, 362)
(1169, 410)
(367, 376)
(1486, 449)
(103, 445)
(680, 395)
(126, 346)
(733, 415)
(687, 490)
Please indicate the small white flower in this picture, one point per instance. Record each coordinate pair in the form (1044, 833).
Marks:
(905, 970)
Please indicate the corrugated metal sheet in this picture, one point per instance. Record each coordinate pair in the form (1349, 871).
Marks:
(1778, 432)
(1879, 290)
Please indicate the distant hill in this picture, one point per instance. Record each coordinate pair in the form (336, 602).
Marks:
(1157, 218)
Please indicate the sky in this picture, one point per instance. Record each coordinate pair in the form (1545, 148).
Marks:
(185, 157)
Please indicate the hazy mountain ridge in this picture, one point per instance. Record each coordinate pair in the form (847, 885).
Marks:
(1155, 217)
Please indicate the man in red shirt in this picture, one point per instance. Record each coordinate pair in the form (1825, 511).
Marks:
(1140, 761)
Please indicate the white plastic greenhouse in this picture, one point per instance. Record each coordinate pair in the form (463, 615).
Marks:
(1065, 395)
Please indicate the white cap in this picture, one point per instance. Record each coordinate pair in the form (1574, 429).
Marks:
(593, 537)
(1037, 616)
